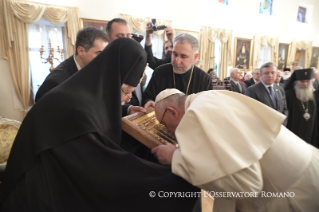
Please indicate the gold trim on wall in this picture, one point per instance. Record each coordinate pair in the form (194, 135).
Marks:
(100, 24)
(194, 33)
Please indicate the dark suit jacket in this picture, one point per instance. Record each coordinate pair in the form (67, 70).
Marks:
(61, 73)
(261, 94)
(249, 82)
(234, 88)
(281, 84)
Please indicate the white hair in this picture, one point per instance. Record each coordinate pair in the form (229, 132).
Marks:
(232, 70)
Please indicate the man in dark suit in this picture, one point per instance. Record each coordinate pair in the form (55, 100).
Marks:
(278, 79)
(235, 84)
(267, 92)
(89, 43)
(255, 79)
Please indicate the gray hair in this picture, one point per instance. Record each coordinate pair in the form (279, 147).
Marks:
(185, 37)
(267, 65)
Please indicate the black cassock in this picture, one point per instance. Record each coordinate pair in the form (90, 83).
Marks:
(67, 154)
(162, 79)
(306, 130)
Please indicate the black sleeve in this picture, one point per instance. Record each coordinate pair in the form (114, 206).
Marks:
(285, 112)
(151, 91)
(44, 88)
(152, 61)
(124, 109)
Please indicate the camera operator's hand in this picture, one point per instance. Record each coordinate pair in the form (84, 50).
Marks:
(169, 33)
(149, 32)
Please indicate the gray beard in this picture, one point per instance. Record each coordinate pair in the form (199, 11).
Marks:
(304, 94)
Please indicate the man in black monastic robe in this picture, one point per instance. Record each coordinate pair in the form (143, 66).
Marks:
(181, 73)
(302, 118)
(66, 155)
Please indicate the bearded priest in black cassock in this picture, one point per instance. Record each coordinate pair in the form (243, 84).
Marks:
(181, 74)
(302, 117)
(67, 155)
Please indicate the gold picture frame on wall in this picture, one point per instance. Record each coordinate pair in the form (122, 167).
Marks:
(181, 31)
(94, 23)
(283, 51)
(314, 61)
(242, 56)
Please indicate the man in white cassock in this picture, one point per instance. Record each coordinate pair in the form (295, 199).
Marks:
(221, 149)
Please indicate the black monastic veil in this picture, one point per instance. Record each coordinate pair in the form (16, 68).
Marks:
(66, 156)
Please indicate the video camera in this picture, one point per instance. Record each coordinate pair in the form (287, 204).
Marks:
(155, 28)
(137, 37)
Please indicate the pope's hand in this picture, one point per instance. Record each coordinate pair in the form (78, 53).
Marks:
(164, 153)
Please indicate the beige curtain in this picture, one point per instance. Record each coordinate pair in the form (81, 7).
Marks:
(225, 39)
(207, 44)
(301, 45)
(139, 24)
(15, 15)
(265, 41)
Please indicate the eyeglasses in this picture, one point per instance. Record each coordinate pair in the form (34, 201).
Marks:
(127, 95)
(163, 116)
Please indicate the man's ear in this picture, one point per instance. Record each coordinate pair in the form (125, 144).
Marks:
(196, 57)
(173, 111)
(80, 50)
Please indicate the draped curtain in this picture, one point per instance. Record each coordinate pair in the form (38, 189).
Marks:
(139, 24)
(301, 45)
(207, 52)
(265, 41)
(15, 17)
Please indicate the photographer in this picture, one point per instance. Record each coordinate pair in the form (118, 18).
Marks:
(167, 48)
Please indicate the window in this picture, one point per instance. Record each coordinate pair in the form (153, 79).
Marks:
(264, 55)
(39, 34)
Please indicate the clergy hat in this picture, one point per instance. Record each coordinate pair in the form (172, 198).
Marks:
(166, 93)
(300, 74)
(286, 69)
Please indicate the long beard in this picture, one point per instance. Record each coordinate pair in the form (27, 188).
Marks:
(304, 94)
(167, 55)
(243, 50)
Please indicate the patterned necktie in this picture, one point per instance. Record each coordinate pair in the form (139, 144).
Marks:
(272, 95)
